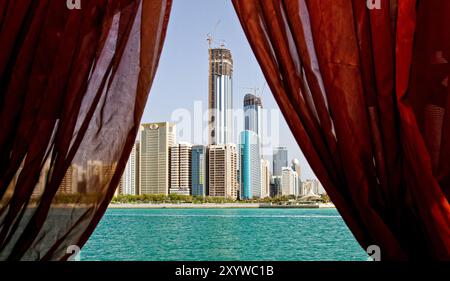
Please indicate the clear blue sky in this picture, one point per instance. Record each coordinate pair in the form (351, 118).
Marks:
(182, 76)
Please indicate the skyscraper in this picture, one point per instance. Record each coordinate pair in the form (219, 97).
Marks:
(69, 183)
(220, 97)
(250, 167)
(253, 114)
(288, 181)
(296, 168)
(321, 189)
(280, 159)
(316, 187)
(98, 175)
(155, 140)
(265, 178)
(222, 171)
(130, 178)
(308, 188)
(199, 170)
(275, 186)
(180, 169)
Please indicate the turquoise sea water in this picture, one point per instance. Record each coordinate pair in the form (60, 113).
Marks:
(222, 234)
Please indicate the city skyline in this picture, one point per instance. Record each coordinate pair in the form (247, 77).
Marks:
(183, 72)
(223, 168)
(159, 164)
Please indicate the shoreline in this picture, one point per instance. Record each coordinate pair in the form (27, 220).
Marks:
(217, 206)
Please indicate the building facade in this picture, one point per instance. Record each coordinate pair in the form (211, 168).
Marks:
(130, 180)
(288, 181)
(265, 178)
(296, 167)
(155, 140)
(199, 170)
(250, 165)
(220, 97)
(275, 186)
(312, 187)
(280, 160)
(180, 169)
(222, 179)
(253, 114)
(98, 175)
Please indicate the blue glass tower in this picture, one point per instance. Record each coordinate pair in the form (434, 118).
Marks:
(199, 170)
(250, 165)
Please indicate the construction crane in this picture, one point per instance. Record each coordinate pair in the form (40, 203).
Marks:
(254, 90)
(263, 88)
(210, 37)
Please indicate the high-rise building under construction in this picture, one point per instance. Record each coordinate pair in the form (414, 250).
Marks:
(220, 96)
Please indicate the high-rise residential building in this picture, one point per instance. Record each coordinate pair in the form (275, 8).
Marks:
(253, 114)
(199, 170)
(98, 175)
(180, 169)
(288, 181)
(130, 179)
(296, 168)
(275, 186)
(250, 165)
(321, 189)
(312, 187)
(72, 179)
(69, 182)
(316, 187)
(220, 97)
(307, 188)
(222, 171)
(94, 175)
(315, 184)
(155, 140)
(265, 178)
(280, 159)
(82, 179)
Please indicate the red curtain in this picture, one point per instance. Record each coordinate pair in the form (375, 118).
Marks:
(73, 87)
(366, 95)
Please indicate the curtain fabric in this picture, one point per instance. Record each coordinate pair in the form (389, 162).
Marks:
(366, 95)
(73, 87)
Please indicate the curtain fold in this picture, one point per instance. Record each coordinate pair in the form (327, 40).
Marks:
(73, 87)
(366, 95)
